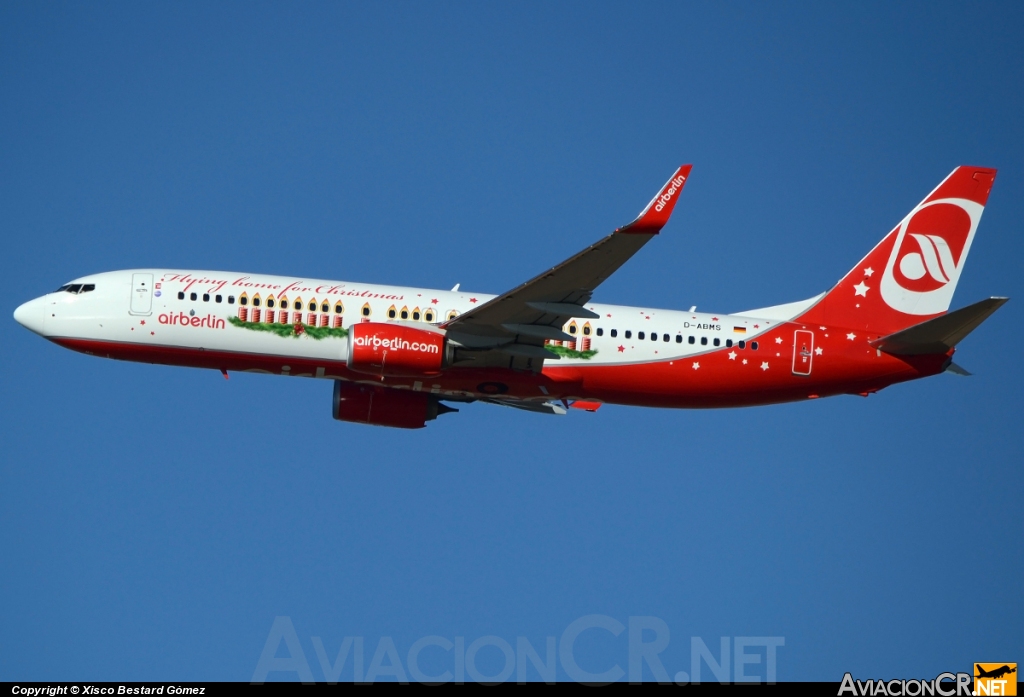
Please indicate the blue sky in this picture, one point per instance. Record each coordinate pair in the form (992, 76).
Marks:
(156, 520)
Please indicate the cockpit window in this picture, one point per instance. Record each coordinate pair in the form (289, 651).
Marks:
(88, 287)
(76, 288)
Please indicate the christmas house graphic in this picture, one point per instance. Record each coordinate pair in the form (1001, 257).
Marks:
(317, 319)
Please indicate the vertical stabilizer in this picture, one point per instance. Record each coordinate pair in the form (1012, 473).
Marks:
(912, 273)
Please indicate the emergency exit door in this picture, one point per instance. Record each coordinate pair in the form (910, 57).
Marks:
(142, 293)
(803, 352)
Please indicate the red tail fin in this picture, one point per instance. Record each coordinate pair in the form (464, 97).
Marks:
(912, 273)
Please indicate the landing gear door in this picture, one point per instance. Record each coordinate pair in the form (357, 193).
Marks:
(803, 352)
(142, 294)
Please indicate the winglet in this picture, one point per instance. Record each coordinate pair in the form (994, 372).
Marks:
(656, 214)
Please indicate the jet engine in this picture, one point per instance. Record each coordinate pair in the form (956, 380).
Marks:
(382, 406)
(397, 350)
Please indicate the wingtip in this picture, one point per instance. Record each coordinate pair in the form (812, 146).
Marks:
(656, 214)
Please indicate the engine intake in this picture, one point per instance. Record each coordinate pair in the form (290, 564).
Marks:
(396, 350)
(382, 406)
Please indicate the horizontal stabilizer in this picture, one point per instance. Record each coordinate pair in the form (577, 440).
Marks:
(940, 334)
(957, 370)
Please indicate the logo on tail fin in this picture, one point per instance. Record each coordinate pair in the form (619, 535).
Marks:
(928, 255)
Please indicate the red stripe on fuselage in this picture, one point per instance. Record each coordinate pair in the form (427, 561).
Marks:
(718, 381)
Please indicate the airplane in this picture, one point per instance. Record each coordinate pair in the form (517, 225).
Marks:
(397, 354)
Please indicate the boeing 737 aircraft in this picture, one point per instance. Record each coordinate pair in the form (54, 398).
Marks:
(396, 354)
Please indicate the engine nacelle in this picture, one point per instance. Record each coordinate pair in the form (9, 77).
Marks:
(382, 406)
(396, 350)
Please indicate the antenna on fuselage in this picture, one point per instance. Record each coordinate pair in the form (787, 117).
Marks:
(456, 287)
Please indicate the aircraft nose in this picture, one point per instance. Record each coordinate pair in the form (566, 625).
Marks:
(30, 315)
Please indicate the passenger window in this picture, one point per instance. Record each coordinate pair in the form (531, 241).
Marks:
(600, 331)
(338, 309)
(717, 341)
(366, 310)
(325, 307)
(392, 313)
(298, 304)
(416, 315)
(312, 306)
(270, 302)
(703, 341)
(692, 340)
(728, 343)
(428, 315)
(231, 300)
(614, 333)
(243, 300)
(181, 295)
(206, 297)
(665, 337)
(640, 335)
(629, 334)
(742, 344)
(192, 296)
(753, 345)
(218, 298)
(679, 338)
(654, 336)
(256, 301)
(405, 314)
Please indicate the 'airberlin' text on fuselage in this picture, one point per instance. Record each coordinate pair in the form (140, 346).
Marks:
(182, 320)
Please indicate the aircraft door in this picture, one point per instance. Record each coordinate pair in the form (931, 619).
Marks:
(803, 352)
(142, 294)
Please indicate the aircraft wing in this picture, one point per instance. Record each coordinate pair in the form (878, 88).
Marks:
(517, 323)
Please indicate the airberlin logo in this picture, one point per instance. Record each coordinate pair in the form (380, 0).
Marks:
(677, 184)
(182, 320)
(376, 342)
(934, 258)
(928, 254)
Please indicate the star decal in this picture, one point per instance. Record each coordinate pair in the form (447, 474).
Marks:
(868, 271)
(433, 301)
(756, 326)
(861, 289)
(696, 365)
(764, 365)
(851, 336)
(622, 349)
(609, 314)
(818, 351)
(143, 322)
(778, 340)
(732, 355)
(472, 300)
(714, 319)
(744, 361)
